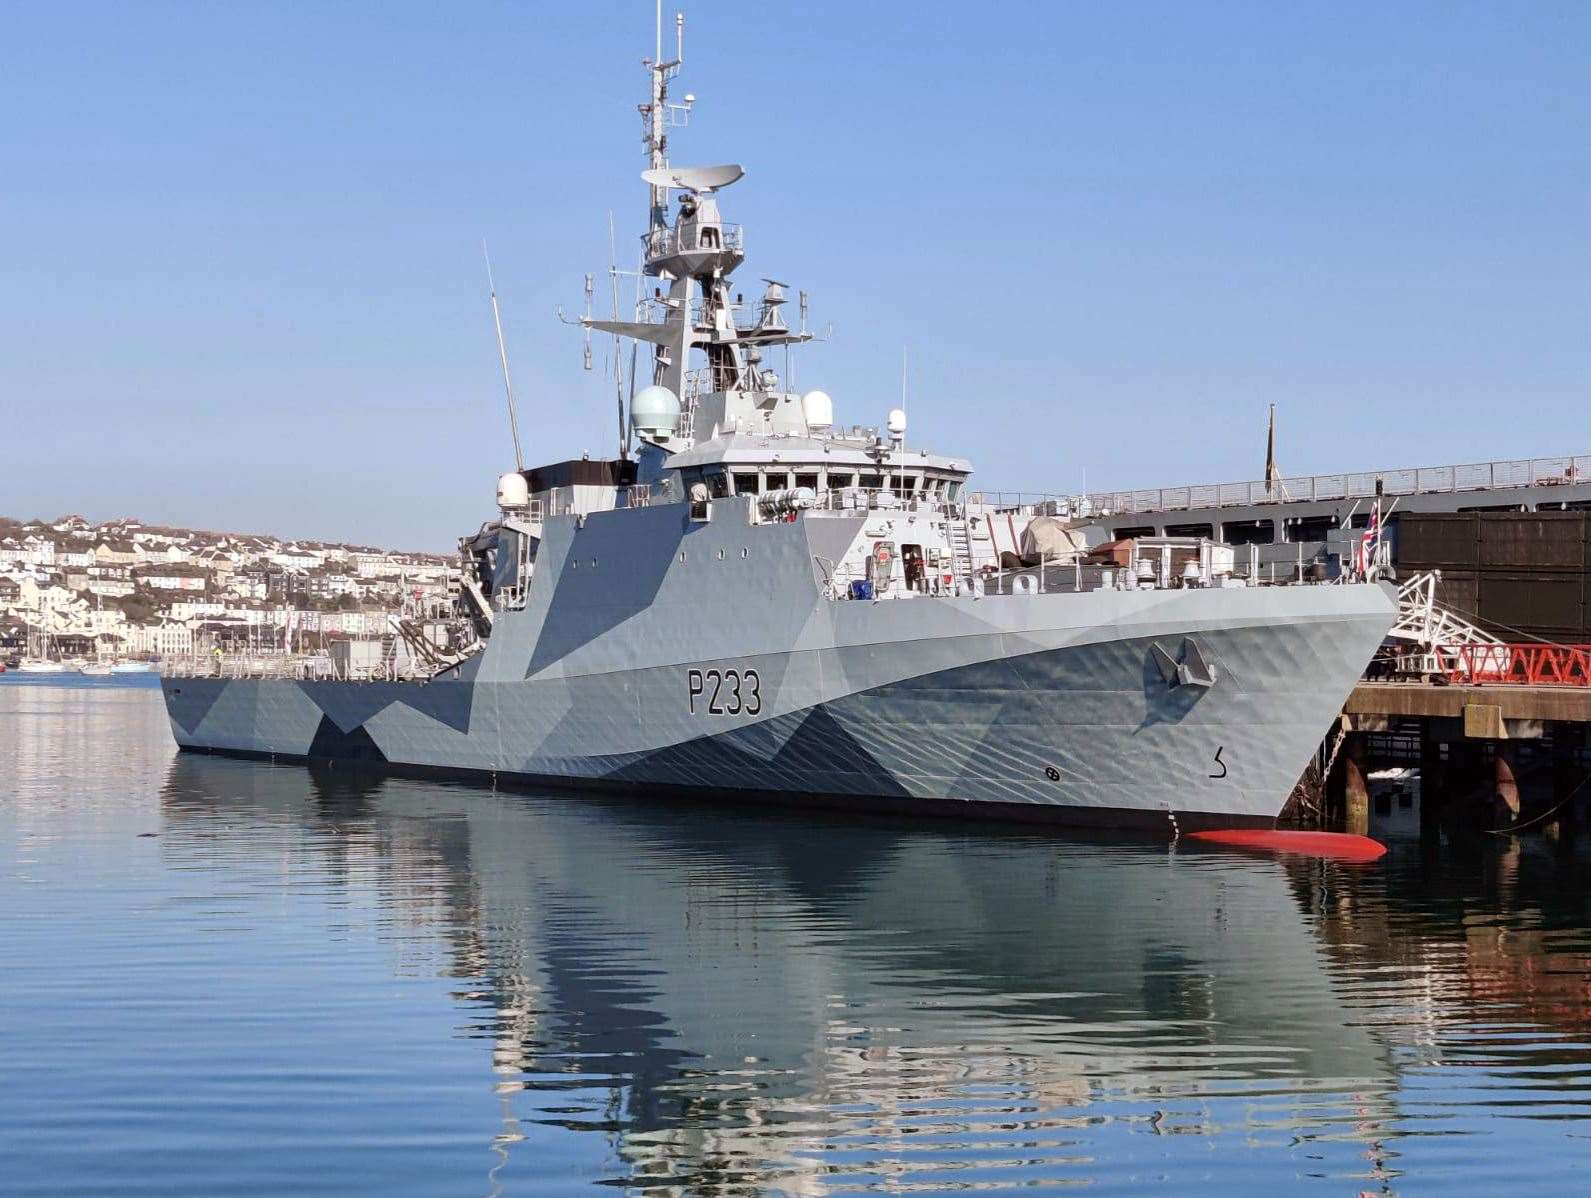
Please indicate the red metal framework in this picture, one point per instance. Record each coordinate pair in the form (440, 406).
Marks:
(1517, 665)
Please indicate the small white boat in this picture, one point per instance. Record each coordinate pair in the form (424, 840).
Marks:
(133, 667)
(39, 665)
(97, 669)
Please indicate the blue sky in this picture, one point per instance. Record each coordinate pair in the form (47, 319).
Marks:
(242, 283)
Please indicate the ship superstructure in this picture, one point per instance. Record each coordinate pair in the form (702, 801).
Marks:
(754, 601)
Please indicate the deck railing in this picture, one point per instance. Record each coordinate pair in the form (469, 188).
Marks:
(300, 666)
(691, 238)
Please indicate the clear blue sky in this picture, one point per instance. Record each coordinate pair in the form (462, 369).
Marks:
(241, 283)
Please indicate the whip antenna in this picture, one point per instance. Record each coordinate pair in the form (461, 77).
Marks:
(502, 353)
(618, 370)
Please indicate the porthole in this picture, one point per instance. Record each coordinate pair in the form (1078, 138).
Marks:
(744, 552)
(682, 557)
(720, 555)
(593, 563)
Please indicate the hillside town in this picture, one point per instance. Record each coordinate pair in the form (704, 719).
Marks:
(123, 590)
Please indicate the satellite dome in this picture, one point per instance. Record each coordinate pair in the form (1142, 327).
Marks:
(654, 411)
(512, 490)
(817, 409)
(897, 422)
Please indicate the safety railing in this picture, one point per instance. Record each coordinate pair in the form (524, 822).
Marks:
(1043, 502)
(693, 238)
(247, 665)
(871, 499)
(1421, 480)
(1516, 665)
(297, 666)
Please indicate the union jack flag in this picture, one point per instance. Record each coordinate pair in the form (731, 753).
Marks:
(1365, 553)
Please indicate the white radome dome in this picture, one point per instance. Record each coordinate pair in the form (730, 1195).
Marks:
(817, 409)
(512, 490)
(897, 422)
(654, 410)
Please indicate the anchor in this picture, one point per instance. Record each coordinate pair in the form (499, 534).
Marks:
(1188, 668)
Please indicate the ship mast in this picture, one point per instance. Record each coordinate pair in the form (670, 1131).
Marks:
(656, 113)
(693, 247)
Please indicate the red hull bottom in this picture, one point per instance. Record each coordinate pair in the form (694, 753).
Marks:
(1341, 846)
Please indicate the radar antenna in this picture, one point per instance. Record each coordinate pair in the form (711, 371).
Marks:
(502, 353)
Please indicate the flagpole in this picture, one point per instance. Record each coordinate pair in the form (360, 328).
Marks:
(1379, 490)
(1270, 451)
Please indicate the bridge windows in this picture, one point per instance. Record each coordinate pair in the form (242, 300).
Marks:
(904, 484)
(1190, 530)
(766, 481)
(1132, 532)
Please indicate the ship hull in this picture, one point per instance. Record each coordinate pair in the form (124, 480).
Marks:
(1038, 707)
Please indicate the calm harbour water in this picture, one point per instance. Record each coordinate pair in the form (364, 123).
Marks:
(222, 977)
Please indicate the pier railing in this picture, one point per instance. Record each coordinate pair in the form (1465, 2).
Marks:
(1516, 665)
(1418, 480)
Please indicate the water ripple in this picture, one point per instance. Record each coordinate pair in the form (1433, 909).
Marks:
(228, 977)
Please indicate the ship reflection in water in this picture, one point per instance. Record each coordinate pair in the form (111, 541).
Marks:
(815, 1005)
(306, 981)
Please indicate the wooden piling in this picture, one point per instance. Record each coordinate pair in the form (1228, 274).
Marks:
(1356, 791)
(1433, 782)
(1568, 793)
(1505, 785)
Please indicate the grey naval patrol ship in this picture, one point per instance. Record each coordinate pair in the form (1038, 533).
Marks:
(751, 601)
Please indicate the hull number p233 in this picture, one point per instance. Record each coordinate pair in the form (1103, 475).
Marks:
(724, 692)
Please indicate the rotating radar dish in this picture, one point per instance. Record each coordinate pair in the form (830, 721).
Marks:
(699, 179)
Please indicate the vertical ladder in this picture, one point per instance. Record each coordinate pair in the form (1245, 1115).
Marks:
(960, 547)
